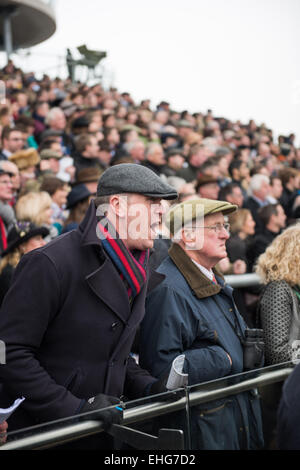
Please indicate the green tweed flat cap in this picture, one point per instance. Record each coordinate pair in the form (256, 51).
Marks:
(134, 178)
(49, 153)
(182, 214)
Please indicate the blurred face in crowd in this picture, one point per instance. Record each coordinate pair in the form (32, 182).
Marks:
(46, 216)
(92, 186)
(263, 191)
(110, 121)
(209, 191)
(27, 174)
(43, 109)
(294, 182)
(56, 146)
(60, 196)
(198, 158)
(214, 171)
(176, 161)
(15, 174)
(113, 136)
(59, 121)
(122, 112)
(270, 165)
(224, 164)
(249, 225)
(14, 142)
(162, 117)
(236, 197)
(187, 189)
(276, 188)
(280, 217)
(264, 150)
(92, 149)
(245, 155)
(22, 100)
(157, 156)
(54, 165)
(138, 151)
(6, 188)
(244, 171)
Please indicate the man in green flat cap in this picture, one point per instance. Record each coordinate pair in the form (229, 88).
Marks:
(192, 313)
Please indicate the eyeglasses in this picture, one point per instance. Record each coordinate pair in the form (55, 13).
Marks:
(217, 228)
(7, 183)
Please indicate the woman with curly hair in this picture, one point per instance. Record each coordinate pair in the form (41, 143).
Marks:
(279, 310)
(279, 269)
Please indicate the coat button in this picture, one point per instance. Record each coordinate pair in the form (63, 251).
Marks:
(114, 325)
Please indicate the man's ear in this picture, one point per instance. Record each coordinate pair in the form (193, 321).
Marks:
(118, 206)
(188, 237)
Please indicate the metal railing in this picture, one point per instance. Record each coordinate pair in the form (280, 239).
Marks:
(196, 395)
(243, 280)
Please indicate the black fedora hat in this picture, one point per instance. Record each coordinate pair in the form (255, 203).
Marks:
(78, 193)
(21, 232)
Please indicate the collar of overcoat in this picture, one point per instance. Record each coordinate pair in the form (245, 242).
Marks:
(198, 282)
(104, 279)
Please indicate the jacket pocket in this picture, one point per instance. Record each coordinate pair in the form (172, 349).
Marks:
(206, 411)
(214, 426)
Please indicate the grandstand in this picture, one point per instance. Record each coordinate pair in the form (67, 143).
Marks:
(25, 23)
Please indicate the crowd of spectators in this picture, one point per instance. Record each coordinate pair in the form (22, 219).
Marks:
(57, 137)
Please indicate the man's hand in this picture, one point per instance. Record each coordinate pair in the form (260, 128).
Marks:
(101, 401)
(239, 267)
(159, 387)
(224, 265)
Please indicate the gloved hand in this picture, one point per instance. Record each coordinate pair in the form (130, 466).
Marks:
(109, 417)
(159, 386)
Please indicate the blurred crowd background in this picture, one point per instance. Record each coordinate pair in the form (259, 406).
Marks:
(57, 137)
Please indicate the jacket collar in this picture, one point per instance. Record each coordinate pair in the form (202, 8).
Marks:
(198, 282)
(102, 277)
(98, 270)
(88, 227)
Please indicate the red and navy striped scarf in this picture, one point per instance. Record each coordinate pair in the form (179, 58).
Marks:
(131, 266)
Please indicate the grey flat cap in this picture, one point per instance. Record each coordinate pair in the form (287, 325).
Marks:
(134, 178)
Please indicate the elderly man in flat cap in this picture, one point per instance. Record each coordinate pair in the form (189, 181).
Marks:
(192, 313)
(71, 315)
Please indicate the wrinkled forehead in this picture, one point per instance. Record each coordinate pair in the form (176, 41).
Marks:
(134, 198)
(214, 218)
